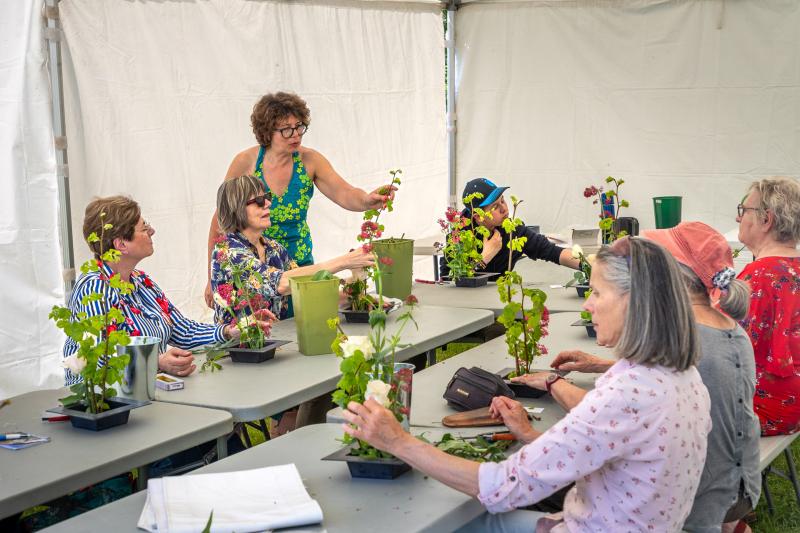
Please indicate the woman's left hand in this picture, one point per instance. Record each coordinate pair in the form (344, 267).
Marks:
(537, 380)
(373, 423)
(377, 198)
(264, 319)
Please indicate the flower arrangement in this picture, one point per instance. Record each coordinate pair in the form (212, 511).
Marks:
(608, 214)
(464, 240)
(97, 337)
(356, 289)
(522, 335)
(584, 272)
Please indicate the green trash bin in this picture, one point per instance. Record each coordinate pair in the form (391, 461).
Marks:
(314, 303)
(667, 210)
(396, 278)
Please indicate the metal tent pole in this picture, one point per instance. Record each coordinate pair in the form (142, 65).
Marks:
(54, 35)
(450, 42)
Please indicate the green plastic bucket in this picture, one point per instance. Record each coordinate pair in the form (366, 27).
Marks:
(667, 210)
(314, 303)
(396, 278)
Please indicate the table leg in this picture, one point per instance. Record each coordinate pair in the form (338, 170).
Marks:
(222, 447)
(435, 267)
(141, 479)
(431, 357)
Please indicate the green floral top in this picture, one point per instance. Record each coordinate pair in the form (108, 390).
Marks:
(288, 212)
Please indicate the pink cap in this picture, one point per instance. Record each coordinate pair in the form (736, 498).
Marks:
(701, 248)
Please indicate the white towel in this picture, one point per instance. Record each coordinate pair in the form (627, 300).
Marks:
(251, 500)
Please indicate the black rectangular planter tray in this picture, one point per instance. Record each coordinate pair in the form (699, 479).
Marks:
(478, 280)
(520, 389)
(116, 416)
(581, 289)
(248, 355)
(588, 325)
(355, 317)
(364, 467)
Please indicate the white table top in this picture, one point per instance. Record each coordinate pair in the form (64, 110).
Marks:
(255, 391)
(75, 458)
(428, 407)
(412, 502)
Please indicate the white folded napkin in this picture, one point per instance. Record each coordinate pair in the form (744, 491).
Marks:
(251, 500)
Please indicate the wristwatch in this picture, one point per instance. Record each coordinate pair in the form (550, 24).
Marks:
(550, 379)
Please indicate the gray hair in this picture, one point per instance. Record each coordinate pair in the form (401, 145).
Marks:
(659, 324)
(735, 300)
(232, 197)
(781, 196)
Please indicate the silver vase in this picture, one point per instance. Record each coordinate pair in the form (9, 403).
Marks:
(139, 377)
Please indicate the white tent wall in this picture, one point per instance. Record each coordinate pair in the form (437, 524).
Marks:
(30, 272)
(158, 97)
(692, 98)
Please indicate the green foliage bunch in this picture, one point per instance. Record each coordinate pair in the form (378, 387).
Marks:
(606, 222)
(464, 240)
(523, 334)
(97, 336)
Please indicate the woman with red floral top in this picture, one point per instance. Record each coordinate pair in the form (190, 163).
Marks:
(147, 310)
(769, 225)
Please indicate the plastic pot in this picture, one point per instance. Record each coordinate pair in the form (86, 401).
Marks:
(259, 355)
(478, 280)
(315, 302)
(117, 415)
(364, 467)
(396, 278)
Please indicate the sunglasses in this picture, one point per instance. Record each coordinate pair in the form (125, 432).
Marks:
(260, 200)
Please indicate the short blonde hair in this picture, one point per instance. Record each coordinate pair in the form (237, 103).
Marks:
(232, 197)
(781, 196)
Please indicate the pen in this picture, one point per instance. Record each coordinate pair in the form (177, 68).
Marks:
(12, 436)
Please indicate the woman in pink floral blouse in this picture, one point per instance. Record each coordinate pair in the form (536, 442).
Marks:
(769, 225)
(634, 446)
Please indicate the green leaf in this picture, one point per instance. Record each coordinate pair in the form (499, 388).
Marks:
(322, 275)
(92, 238)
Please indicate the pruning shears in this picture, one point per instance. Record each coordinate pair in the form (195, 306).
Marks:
(493, 437)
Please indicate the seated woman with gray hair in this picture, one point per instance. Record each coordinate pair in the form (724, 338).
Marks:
(634, 446)
(769, 225)
(243, 213)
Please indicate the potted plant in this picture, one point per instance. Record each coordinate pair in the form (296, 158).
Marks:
(463, 244)
(580, 279)
(586, 319)
(524, 315)
(369, 371)
(92, 403)
(610, 204)
(243, 305)
(359, 302)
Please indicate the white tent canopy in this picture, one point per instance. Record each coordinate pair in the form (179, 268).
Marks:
(685, 97)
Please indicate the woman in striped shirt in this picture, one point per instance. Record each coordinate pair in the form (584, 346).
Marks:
(147, 310)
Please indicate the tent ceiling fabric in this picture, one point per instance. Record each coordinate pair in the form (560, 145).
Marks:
(30, 262)
(691, 98)
(158, 97)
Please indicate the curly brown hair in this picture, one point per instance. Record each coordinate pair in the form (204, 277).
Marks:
(272, 108)
(122, 212)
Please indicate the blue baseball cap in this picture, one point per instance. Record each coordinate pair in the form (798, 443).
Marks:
(489, 190)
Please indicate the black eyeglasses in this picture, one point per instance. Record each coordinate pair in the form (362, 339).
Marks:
(260, 200)
(288, 131)
(741, 209)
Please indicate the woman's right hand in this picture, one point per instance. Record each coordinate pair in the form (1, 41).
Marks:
(514, 417)
(176, 362)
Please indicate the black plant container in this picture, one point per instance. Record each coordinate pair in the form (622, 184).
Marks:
(582, 290)
(478, 280)
(588, 325)
(248, 355)
(368, 468)
(355, 317)
(520, 389)
(117, 415)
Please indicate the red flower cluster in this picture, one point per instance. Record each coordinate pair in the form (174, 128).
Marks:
(411, 300)
(225, 290)
(369, 230)
(388, 261)
(367, 248)
(588, 192)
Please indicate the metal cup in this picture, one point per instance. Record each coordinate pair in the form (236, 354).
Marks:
(139, 377)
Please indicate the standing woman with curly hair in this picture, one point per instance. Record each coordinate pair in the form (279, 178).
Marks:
(290, 172)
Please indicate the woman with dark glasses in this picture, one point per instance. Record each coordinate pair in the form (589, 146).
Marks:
(769, 225)
(243, 209)
(290, 172)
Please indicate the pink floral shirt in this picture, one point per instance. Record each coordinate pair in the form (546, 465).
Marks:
(635, 447)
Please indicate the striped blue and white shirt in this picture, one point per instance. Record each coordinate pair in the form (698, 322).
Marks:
(147, 312)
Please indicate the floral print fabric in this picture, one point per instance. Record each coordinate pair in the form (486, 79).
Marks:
(635, 447)
(289, 211)
(235, 249)
(773, 323)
